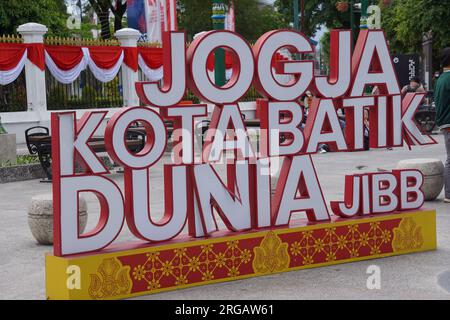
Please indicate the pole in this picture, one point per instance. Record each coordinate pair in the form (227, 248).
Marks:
(302, 10)
(363, 20)
(81, 9)
(218, 18)
(427, 47)
(295, 14)
(352, 22)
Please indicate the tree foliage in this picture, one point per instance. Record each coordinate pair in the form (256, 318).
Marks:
(405, 21)
(103, 8)
(252, 17)
(317, 13)
(194, 16)
(51, 13)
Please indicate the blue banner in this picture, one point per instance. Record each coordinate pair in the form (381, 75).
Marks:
(136, 16)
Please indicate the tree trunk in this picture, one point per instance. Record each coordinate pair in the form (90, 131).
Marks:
(104, 22)
(118, 10)
(117, 22)
(101, 8)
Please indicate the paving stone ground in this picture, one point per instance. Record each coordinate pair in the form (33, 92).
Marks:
(415, 276)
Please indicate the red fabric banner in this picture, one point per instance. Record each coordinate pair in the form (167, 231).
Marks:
(131, 58)
(105, 57)
(65, 57)
(10, 55)
(36, 55)
(153, 57)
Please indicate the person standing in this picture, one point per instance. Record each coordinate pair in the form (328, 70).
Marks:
(442, 101)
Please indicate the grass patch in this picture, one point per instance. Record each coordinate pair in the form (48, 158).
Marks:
(21, 160)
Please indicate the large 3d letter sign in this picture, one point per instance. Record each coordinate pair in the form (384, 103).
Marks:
(241, 227)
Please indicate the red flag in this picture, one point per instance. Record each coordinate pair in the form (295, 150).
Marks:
(230, 20)
(171, 16)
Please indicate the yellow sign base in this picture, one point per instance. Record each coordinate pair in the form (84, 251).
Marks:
(117, 274)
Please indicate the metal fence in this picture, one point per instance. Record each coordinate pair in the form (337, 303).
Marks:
(13, 97)
(86, 92)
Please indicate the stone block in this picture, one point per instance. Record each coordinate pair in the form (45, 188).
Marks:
(433, 174)
(8, 152)
(40, 217)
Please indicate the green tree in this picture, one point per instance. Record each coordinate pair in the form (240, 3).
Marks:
(325, 45)
(405, 21)
(252, 17)
(51, 13)
(103, 8)
(194, 16)
(317, 13)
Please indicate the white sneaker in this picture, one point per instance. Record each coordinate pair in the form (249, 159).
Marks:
(446, 200)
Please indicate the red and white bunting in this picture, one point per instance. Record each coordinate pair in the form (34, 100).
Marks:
(150, 61)
(13, 57)
(66, 63)
(12, 62)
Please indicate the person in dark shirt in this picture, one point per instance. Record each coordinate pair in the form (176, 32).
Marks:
(442, 102)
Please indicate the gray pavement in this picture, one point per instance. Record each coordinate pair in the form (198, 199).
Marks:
(414, 276)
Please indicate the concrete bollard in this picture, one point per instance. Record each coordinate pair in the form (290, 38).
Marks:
(40, 217)
(8, 153)
(433, 174)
